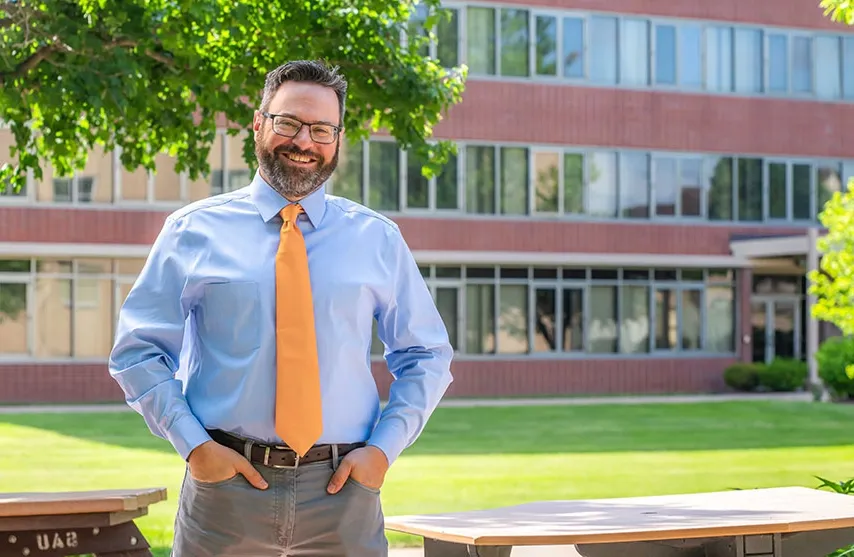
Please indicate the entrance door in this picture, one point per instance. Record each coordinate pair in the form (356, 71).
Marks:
(777, 331)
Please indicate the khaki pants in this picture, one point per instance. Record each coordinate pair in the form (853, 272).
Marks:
(293, 517)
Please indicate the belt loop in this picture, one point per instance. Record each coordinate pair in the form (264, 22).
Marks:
(247, 449)
(334, 457)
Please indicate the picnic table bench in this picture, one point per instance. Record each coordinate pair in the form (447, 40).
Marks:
(775, 522)
(75, 523)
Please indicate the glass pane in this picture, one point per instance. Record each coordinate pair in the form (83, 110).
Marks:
(417, 186)
(665, 54)
(53, 318)
(634, 325)
(784, 330)
(748, 60)
(634, 52)
(93, 317)
(801, 205)
(828, 76)
(514, 180)
(691, 186)
(602, 331)
(603, 49)
(778, 63)
(384, 190)
(848, 67)
(480, 179)
(447, 40)
(691, 319)
(446, 302)
(480, 31)
(665, 186)
(802, 57)
(446, 185)
(602, 180)
(666, 319)
(545, 320)
(573, 319)
(514, 42)
(14, 265)
(513, 319)
(719, 68)
(777, 204)
(13, 319)
(719, 181)
(480, 319)
(828, 180)
(720, 319)
(750, 189)
(546, 181)
(759, 330)
(546, 45)
(690, 56)
(573, 47)
(347, 180)
(634, 185)
(573, 183)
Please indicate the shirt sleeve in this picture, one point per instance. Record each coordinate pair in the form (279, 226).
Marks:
(149, 336)
(418, 353)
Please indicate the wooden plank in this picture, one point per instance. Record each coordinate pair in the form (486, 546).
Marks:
(78, 502)
(9, 523)
(699, 515)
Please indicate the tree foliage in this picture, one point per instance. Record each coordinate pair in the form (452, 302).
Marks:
(151, 76)
(833, 282)
(839, 10)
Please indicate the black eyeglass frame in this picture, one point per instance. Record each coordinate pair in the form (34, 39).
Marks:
(336, 129)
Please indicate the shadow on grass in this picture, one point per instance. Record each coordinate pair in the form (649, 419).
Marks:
(548, 429)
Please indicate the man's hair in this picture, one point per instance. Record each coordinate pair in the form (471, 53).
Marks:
(308, 71)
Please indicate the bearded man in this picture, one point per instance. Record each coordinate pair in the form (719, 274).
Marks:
(245, 342)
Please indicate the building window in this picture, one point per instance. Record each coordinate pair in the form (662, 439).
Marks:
(480, 32)
(73, 190)
(579, 311)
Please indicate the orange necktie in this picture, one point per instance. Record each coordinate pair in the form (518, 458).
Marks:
(298, 413)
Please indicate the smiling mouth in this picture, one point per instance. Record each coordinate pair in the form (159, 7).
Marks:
(302, 159)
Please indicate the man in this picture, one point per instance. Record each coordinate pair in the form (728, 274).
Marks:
(263, 299)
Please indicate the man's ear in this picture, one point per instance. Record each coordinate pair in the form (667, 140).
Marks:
(257, 121)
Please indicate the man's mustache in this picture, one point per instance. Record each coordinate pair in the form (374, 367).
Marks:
(291, 150)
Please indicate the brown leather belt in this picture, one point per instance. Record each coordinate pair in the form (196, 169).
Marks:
(278, 456)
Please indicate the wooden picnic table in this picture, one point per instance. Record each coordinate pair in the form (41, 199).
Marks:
(75, 523)
(775, 522)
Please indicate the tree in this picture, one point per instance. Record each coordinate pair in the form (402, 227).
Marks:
(151, 76)
(833, 282)
(839, 10)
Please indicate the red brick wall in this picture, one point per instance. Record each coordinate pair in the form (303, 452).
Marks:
(68, 383)
(134, 227)
(589, 116)
(787, 13)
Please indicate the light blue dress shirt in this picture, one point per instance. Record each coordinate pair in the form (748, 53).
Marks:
(196, 344)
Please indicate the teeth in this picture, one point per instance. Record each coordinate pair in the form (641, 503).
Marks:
(298, 158)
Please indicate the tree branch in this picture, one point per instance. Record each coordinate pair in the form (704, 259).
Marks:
(34, 60)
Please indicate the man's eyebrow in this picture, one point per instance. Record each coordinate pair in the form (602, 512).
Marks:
(295, 117)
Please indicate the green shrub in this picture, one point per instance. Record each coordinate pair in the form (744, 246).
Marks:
(783, 375)
(833, 357)
(742, 376)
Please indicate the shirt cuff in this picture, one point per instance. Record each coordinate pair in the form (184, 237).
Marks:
(186, 434)
(389, 438)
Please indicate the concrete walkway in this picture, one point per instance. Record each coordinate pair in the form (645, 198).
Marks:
(544, 551)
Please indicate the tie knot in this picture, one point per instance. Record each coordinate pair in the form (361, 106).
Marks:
(291, 212)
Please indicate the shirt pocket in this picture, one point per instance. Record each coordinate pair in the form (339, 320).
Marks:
(231, 316)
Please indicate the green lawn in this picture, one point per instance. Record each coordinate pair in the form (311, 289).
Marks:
(484, 457)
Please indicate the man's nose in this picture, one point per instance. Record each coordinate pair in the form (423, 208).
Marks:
(303, 139)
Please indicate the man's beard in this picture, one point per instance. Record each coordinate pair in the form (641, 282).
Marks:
(289, 180)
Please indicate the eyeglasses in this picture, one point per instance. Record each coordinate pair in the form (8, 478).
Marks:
(288, 126)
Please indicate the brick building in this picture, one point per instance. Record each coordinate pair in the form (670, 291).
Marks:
(628, 210)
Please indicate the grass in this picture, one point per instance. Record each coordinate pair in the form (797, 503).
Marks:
(471, 458)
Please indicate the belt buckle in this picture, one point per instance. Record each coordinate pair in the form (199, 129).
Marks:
(279, 466)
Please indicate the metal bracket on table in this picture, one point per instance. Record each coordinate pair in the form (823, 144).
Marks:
(436, 548)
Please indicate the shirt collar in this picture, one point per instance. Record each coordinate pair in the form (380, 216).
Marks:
(270, 203)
